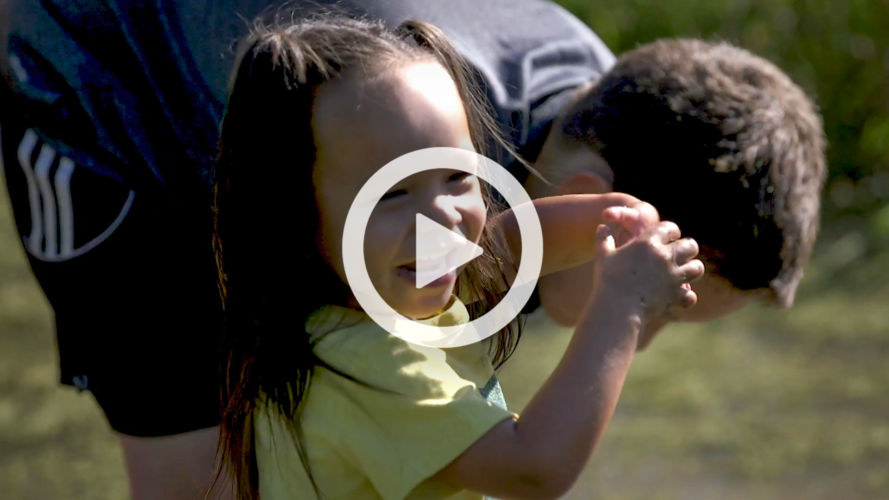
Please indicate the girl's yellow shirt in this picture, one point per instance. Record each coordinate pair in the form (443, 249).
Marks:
(396, 414)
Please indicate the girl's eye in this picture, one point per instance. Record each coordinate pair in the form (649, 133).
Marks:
(393, 194)
(458, 176)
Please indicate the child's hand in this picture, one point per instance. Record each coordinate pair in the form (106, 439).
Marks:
(650, 274)
(632, 220)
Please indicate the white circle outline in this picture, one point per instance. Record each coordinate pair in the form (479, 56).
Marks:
(431, 159)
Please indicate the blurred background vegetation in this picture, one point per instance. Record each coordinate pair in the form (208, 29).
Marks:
(764, 404)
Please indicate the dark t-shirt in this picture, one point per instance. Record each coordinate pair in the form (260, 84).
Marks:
(525, 53)
(138, 87)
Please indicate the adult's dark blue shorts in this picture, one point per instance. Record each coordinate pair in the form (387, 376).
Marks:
(128, 269)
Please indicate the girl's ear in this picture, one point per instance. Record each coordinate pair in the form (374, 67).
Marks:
(584, 183)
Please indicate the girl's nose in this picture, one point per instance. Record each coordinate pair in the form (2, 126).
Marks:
(444, 209)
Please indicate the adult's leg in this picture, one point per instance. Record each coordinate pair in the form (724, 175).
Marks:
(182, 466)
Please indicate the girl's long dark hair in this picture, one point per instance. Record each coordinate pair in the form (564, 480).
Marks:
(271, 274)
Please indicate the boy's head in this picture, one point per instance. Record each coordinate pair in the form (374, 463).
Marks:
(720, 141)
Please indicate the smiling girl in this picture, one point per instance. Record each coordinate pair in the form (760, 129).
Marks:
(319, 401)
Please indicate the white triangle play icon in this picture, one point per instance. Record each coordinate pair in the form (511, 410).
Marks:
(440, 250)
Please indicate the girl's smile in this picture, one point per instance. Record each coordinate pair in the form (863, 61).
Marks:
(409, 273)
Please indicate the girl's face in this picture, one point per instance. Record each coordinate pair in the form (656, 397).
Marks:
(361, 125)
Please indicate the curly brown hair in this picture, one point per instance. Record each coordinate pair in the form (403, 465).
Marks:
(722, 142)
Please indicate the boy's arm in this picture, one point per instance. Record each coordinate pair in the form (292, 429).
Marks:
(563, 293)
(568, 223)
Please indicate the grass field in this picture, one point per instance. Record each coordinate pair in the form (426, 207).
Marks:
(766, 404)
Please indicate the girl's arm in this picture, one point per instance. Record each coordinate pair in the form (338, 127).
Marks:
(542, 453)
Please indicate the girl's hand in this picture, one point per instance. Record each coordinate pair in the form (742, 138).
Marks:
(650, 274)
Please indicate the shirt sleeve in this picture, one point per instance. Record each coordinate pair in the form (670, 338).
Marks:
(401, 415)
